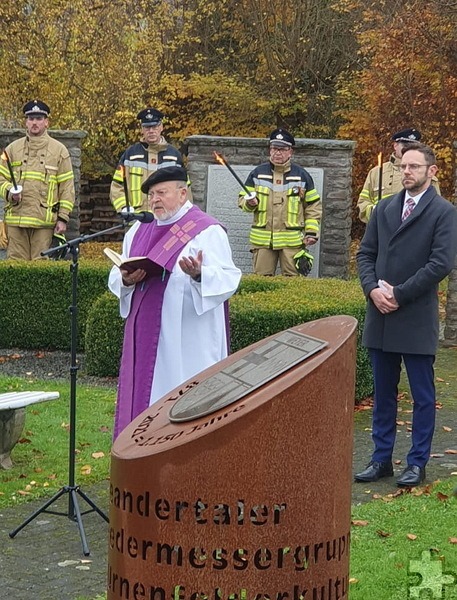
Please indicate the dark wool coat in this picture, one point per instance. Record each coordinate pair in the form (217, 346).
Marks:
(413, 256)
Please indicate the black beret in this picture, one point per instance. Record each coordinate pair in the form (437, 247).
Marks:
(36, 108)
(407, 135)
(150, 117)
(164, 174)
(281, 137)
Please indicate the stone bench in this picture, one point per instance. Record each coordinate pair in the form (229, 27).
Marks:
(12, 419)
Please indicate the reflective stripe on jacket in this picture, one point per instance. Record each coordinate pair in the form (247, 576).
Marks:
(42, 166)
(136, 164)
(289, 206)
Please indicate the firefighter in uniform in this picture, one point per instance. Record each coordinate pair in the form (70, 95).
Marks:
(391, 175)
(286, 208)
(140, 160)
(45, 195)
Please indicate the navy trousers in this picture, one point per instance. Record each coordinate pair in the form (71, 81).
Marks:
(386, 370)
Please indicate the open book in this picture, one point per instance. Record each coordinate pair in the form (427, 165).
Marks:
(133, 263)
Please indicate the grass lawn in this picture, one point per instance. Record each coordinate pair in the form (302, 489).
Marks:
(389, 533)
(40, 459)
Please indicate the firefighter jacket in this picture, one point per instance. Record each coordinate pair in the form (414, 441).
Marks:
(42, 166)
(289, 207)
(136, 164)
(391, 184)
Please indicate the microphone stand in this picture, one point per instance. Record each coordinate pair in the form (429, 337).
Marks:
(73, 513)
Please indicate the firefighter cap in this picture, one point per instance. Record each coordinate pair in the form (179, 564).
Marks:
(36, 108)
(164, 174)
(407, 135)
(281, 138)
(150, 117)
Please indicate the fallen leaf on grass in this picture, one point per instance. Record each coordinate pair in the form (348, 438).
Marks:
(104, 429)
(68, 563)
(359, 523)
(437, 455)
(447, 428)
(86, 470)
(24, 441)
(397, 462)
(453, 540)
(397, 493)
(382, 533)
(23, 493)
(353, 580)
(450, 451)
(439, 379)
(400, 422)
(98, 454)
(65, 425)
(411, 536)
(442, 497)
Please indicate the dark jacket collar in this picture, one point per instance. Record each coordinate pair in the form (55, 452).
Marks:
(395, 207)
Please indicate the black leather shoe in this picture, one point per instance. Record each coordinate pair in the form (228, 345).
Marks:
(411, 476)
(374, 471)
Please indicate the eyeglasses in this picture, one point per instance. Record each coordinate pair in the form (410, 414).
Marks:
(412, 167)
(281, 150)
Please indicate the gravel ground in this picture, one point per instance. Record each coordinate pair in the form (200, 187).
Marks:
(39, 364)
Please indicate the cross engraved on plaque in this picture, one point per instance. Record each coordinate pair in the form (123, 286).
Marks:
(275, 356)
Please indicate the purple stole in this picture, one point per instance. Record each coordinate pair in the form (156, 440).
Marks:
(162, 244)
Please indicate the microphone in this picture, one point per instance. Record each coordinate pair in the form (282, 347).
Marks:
(143, 216)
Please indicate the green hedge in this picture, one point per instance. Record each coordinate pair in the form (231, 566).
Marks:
(35, 300)
(262, 306)
(104, 334)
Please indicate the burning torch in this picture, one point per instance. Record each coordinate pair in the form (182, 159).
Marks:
(380, 176)
(223, 161)
(16, 189)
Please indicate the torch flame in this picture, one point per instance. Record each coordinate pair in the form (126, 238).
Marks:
(219, 158)
(380, 159)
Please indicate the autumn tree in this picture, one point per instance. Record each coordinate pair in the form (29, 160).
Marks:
(231, 67)
(406, 77)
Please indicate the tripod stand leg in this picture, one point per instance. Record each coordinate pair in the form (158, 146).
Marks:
(77, 513)
(92, 504)
(42, 509)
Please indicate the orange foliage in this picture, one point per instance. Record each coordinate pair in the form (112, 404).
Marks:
(409, 79)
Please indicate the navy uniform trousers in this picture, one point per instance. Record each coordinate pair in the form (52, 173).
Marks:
(386, 370)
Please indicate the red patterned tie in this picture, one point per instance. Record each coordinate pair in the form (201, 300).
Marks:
(410, 205)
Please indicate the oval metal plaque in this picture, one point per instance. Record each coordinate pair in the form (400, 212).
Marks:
(235, 381)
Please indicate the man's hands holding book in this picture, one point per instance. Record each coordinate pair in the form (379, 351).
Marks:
(132, 277)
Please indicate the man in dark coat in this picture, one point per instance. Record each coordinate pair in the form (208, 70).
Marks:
(409, 246)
